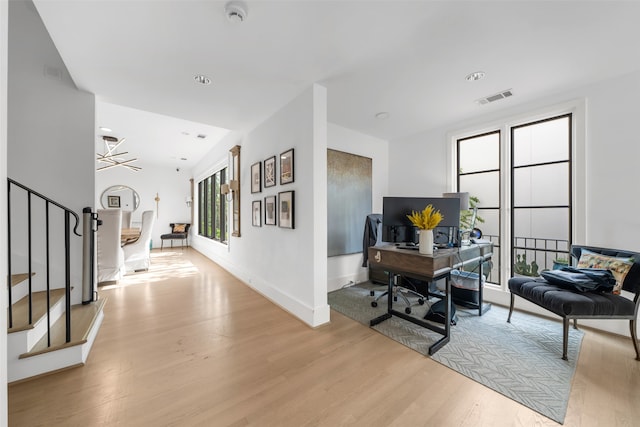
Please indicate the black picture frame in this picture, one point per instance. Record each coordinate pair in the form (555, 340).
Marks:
(113, 201)
(270, 210)
(286, 209)
(286, 167)
(256, 177)
(256, 213)
(270, 172)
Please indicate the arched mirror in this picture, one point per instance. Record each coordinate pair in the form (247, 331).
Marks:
(120, 196)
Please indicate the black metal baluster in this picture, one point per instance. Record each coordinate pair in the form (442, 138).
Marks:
(9, 252)
(48, 275)
(67, 264)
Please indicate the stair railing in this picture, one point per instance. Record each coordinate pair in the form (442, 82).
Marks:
(68, 213)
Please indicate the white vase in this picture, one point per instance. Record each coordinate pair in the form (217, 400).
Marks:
(426, 242)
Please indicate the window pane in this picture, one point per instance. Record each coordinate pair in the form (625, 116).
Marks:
(541, 142)
(485, 186)
(479, 153)
(541, 185)
(543, 223)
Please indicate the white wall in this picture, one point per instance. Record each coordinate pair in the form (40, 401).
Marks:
(171, 186)
(50, 130)
(611, 146)
(4, 15)
(345, 268)
(287, 266)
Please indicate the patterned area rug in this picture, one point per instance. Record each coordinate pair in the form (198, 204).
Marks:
(521, 359)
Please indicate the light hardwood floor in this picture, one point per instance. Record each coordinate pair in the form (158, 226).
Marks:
(200, 348)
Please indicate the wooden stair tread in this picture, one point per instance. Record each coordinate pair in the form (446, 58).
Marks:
(21, 309)
(19, 278)
(83, 317)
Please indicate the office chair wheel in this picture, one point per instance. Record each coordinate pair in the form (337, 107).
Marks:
(374, 304)
(407, 310)
(421, 301)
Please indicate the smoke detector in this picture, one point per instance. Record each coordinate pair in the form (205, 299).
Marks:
(236, 12)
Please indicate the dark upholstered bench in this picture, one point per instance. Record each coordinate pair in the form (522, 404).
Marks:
(178, 232)
(573, 304)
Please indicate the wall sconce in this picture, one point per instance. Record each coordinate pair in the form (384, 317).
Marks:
(228, 189)
(188, 201)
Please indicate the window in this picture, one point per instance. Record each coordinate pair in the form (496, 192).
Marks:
(479, 174)
(538, 208)
(212, 207)
(541, 212)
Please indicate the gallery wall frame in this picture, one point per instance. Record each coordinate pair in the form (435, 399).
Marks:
(256, 213)
(286, 209)
(270, 172)
(270, 210)
(286, 167)
(256, 177)
(113, 201)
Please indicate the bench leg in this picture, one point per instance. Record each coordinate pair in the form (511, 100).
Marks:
(575, 323)
(565, 337)
(632, 326)
(161, 244)
(511, 308)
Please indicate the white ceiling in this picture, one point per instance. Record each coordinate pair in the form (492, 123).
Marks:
(407, 58)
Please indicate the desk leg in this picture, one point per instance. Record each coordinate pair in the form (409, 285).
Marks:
(482, 307)
(387, 315)
(447, 326)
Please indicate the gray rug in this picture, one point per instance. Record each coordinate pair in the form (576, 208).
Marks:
(521, 359)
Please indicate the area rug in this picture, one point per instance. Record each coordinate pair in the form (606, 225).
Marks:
(521, 359)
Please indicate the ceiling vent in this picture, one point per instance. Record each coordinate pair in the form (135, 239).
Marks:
(236, 12)
(496, 97)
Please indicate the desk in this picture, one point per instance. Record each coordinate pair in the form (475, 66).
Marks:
(429, 268)
(129, 235)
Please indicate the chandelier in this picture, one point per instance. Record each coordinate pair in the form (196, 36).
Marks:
(112, 158)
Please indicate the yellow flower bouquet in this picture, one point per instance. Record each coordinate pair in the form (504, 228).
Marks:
(428, 219)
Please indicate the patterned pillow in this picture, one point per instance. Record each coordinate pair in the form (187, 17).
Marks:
(619, 266)
(179, 228)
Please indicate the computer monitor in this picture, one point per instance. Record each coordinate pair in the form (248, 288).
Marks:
(397, 228)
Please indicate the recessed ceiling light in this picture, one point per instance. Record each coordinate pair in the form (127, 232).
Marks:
(476, 75)
(202, 79)
(382, 115)
(104, 129)
(236, 12)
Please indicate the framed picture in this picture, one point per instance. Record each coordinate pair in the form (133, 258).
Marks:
(286, 167)
(256, 209)
(270, 172)
(286, 209)
(256, 177)
(113, 201)
(270, 210)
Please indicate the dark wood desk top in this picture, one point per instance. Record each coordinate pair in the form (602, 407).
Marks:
(393, 258)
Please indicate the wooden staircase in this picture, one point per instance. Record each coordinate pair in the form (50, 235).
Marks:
(31, 350)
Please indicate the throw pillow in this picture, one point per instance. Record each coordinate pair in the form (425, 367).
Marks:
(619, 266)
(179, 228)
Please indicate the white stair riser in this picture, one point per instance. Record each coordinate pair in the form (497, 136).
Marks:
(23, 341)
(19, 369)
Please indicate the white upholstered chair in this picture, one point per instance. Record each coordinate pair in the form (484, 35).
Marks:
(126, 219)
(137, 254)
(110, 258)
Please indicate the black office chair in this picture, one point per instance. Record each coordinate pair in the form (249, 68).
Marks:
(372, 237)
(407, 288)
